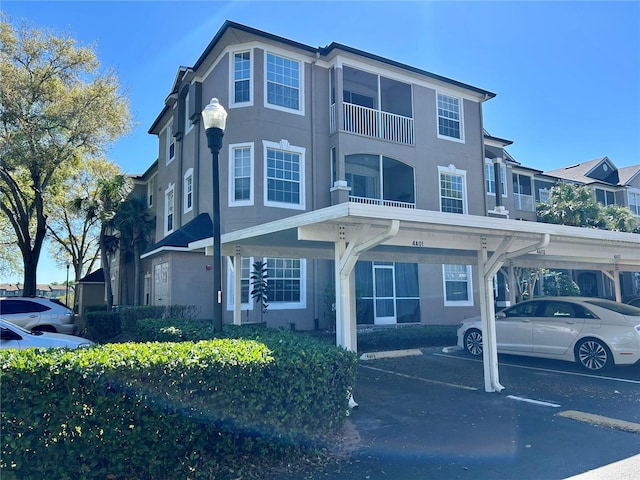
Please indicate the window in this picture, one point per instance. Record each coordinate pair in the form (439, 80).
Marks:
(187, 121)
(605, 197)
(242, 71)
(168, 209)
(283, 82)
(457, 285)
(150, 187)
(634, 202)
(171, 144)
(452, 190)
(490, 177)
(523, 198)
(188, 190)
(543, 195)
(284, 175)
(245, 282)
(449, 117)
(286, 283)
(241, 174)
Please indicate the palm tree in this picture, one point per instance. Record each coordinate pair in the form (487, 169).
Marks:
(135, 223)
(111, 192)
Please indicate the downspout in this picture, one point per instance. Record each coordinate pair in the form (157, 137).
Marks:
(316, 307)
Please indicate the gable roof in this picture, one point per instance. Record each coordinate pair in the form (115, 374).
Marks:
(627, 174)
(197, 229)
(96, 276)
(580, 172)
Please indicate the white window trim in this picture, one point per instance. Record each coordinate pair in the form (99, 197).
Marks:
(284, 146)
(544, 192)
(451, 169)
(151, 191)
(232, 201)
(636, 192)
(303, 291)
(606, 190)
(463, 303)
(503, 177)
(288, 56)
(232, 83)
(169, 140)
(188, 174)
(231, 298)
(167, 192)
(461, 106)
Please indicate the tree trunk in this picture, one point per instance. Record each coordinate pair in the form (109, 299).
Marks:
(104, 258)
(136, 273)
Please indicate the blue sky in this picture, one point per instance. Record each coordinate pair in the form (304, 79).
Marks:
(566, 74)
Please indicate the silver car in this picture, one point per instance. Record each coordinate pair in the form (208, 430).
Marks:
(594, 332)
(13, 337)
(38, 314)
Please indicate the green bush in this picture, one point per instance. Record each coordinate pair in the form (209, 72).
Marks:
(102, 326)
(166, 408)
(410, 336)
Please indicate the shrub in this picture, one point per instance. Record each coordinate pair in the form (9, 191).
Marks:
(164, 408)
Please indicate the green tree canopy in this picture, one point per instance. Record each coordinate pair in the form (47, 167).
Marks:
(56, 107)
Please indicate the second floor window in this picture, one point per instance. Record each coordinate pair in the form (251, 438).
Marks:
(452, 190)
(634, 202)
(605, 197)
(168, 209)
(490, 177)
(242, 77)
(283, 82)
(522, 193)
(188, 190)
(449, 117)
(284, 175)
(241, 174)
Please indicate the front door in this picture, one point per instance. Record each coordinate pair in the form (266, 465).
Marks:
(384, 302)
(161, 284)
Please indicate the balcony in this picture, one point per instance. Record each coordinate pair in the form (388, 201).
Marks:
(377, 201)
(373, 123)
(523, 202)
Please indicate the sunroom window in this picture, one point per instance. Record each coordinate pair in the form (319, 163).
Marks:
(377, 179)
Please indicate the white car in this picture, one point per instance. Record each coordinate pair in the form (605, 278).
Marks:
(38, 313)
(594, 332)
(13, 337)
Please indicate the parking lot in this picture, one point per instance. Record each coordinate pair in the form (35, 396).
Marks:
(428, 417)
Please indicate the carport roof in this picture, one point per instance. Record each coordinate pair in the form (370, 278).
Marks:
(426, 236)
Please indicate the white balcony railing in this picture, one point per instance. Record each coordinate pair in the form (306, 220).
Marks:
(378, 201)
(373, 123)
(523, 202)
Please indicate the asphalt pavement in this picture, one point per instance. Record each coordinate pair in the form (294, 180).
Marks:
(428, 417)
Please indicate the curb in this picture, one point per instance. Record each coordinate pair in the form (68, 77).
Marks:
(391, 354)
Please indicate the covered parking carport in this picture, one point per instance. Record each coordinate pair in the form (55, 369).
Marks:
(349, 232)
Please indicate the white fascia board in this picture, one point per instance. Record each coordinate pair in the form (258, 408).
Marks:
(163, 249)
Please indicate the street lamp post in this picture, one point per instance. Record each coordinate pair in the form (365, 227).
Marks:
(214, 118)
(66, 297)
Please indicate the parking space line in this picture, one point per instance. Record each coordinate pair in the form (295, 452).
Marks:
(600, 421)
(435, 382)
(577, 374)
(535, 402)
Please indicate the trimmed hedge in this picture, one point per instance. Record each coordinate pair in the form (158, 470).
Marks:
(165, 408)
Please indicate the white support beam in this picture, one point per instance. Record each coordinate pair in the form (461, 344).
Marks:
(237, 284)
(614, 276)
(487, 312)
(347, 252)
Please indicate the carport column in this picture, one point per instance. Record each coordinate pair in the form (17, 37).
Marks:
(345, 291)
(487, 311)
(614, 276)
(237, 285)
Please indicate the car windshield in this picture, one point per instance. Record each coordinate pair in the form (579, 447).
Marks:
(621, 308)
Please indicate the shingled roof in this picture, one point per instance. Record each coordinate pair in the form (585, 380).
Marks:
(197, 229)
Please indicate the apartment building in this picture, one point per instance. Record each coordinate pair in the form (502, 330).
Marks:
(309, 128)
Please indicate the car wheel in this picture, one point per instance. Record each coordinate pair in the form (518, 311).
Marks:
(473, 342)
(593, 355)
